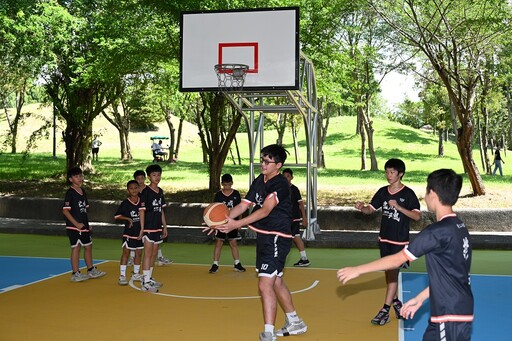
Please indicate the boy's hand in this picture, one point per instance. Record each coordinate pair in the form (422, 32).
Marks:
(141, 234)
(304, 223)
(409, 308)
(164, 232)
(80, 226)
(359, 205)
(393, 203)
(230, 225)
(346, 274)
(208, 229)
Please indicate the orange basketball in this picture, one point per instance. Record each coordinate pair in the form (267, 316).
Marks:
(215, 214)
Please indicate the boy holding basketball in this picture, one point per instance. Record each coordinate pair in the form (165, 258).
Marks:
(270, 218)
(128, 212)
(299, 218)
(77, 226)
(447, 247)
(399, 204)
(153, 225)
(230, 197)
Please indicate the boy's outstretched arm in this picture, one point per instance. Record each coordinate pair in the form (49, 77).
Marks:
(366, 209)
(411, 307)
(386, 263)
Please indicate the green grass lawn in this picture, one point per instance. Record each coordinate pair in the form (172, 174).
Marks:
(340, 183)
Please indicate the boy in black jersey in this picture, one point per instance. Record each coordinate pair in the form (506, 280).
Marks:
(230, 197)
(399, 205)
(298, 218)
(446, 245)
(128, 212)
(77, 226)
(270, 218)
(153, 225)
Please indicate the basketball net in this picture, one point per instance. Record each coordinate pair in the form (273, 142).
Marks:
(231, 77)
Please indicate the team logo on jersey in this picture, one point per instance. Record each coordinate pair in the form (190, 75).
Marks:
(82, 206)
(259, 200)
(465, 247)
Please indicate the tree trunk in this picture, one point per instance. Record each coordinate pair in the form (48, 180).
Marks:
(440, 144)
(362, 133)
(178, 139)
(464, 146)
(295, 142)
(509, 111)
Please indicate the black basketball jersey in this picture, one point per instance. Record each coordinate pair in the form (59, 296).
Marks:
(131, 210)
(296, 199)
(152, 202)
(394, 225)
(447, 247)
(230, 200)
(279, 219)
(77, 205)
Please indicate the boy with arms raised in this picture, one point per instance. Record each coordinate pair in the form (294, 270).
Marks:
(128, 212)
(270, 218)
(77, 226)
(153, 225)
(399, 205)
(447, 247)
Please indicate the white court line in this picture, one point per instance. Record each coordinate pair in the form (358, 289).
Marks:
(315, 283)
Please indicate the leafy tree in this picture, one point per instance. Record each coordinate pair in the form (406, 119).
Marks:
(453, 36)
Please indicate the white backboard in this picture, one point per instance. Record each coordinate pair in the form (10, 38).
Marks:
(267, 40)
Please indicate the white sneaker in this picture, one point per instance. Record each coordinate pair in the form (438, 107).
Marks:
(292, 328)
(155, 283)
(78, 277)
(149, 287)
(122, 280)
(163, 261)
(137, 277)
(95, 273)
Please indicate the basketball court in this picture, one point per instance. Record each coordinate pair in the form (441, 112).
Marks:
(38, 302)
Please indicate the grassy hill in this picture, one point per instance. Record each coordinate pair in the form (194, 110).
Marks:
(341, 183)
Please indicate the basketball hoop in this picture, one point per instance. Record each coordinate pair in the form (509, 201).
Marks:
(231, 76)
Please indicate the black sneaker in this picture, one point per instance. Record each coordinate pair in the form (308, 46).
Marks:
(397, 305)
(238, 267)
(302, 263)
(214, 269)
(381, 318)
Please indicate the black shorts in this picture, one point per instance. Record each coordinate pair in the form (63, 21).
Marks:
(231, 235)
(153, 237)
(271, 253)
(132, 243)
(451, 331)
(78, 238)
(95, 150)
(387, 249)
(296, 228)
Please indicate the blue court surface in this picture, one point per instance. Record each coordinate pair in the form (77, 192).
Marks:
(27, 270)
(493, 299)
(493, 295)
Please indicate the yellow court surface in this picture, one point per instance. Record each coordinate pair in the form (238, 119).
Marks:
(192, 305)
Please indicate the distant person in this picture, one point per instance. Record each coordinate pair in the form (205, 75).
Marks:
(446, 244)
(269, 195)
(153, 225)
(399, 204)
(77, 226)
(230, 197)
(128, 212)
(298, 218)
(158, 151)
(497, 162)
(96, 143)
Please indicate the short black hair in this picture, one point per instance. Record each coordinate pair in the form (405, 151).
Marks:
(131, 182)
(275, 152)
(154, 168)
(226, 178)
(74, 171)
(288, 170)
(397, 165)
(447, 185)
(138, 173)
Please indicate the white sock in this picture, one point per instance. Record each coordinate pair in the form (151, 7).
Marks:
(269, 328)
(147, 275)
(303, 255)
(237, 261)
(292, 317)
(123, 270)
(136, 268)
(160, 255)
(216, 262)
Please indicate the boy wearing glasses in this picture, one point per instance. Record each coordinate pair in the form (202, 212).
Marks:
(269, 195)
